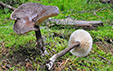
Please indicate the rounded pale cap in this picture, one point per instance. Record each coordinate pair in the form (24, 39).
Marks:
(85, 40)
(29, 15)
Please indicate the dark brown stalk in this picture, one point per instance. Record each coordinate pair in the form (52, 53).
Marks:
(65, 51)
(51, 61)
(40, 43)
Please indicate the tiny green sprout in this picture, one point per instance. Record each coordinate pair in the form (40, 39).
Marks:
(12, 69)
(22, 69)
(11, 52)
(38, 68)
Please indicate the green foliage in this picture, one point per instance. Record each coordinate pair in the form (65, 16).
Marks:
(77, 9)
(12, 69)
(13, 2)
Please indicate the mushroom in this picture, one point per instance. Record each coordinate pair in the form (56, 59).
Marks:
(85, 40)
(29, 16)
(80, 44)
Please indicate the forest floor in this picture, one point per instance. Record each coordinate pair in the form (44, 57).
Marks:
(19, 53)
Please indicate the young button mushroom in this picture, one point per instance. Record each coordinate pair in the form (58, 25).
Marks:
(29, 16)
(80, 43)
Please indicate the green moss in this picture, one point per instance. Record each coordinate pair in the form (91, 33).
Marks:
(78, 9)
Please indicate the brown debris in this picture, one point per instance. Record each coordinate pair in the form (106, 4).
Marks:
(74, 22)
(10, 7)
(105, 46)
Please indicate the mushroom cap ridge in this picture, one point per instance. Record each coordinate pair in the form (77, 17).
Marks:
(29, 15)
(85, 40)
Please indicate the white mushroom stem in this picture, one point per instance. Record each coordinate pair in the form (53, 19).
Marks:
(60, 54)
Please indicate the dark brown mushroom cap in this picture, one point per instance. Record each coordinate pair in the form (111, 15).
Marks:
(29, 15)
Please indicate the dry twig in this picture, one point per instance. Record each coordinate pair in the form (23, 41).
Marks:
(10, 7)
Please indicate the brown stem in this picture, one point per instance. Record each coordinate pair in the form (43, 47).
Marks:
(10, 7)
(65, 51)
(38, 33)
(51, 61)
(40, 43)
